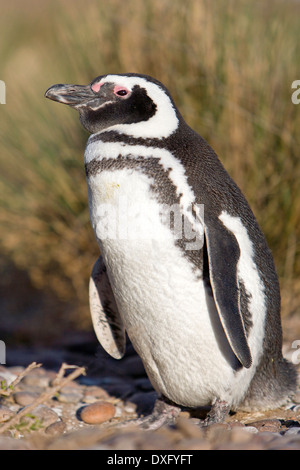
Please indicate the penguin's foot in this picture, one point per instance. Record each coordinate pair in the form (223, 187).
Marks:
(217, 414)
(164, 413)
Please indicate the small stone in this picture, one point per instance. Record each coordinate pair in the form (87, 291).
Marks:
(241, 435)
(56, 428)
(271, 425)
(96, 393)
(296, 398)
(8, 376)
(189, 429)
(25, 398)
(5, 413)
(243, 446)
(72, 386)
(16, 370)
(36, 379)
(69, 397)
(88, 399)
(123, 441)
(292, 431)
(97, 413)
(284, 445)
(10, 443)
(217, 432)
(251, 429)
(129, 407)
(236, 424)
(193, 444)
(118, 412)
(46, 415)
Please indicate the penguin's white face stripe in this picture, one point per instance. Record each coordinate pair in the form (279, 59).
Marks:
(161, 125)
(247, 272)
(112, 150)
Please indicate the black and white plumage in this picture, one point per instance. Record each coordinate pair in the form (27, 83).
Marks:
(204, 318)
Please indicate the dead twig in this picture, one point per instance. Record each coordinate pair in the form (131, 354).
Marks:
(61, 373)
(10, 388)
(45, 396)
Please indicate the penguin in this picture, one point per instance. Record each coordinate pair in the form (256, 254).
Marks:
(184, 268)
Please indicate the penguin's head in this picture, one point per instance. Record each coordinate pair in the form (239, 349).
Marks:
(133, 104)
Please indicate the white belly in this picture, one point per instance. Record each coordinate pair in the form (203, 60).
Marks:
(164, 305)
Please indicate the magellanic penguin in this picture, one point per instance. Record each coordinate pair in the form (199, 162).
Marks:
(184, 268)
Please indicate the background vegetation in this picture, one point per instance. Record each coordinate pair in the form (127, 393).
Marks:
(229, 65)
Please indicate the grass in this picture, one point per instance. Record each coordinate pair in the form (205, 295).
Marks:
(229, 66)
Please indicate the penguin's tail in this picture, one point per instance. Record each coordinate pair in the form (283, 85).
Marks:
(273, 385)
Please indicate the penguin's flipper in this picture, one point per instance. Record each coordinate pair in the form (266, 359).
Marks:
(107, 322)
(223, 256)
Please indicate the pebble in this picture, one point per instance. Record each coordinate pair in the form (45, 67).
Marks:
(94, 393)
(217, 432)
(5, 413)
(97, 413)
(8, 376)
(118, 412)
(129, 407)
(16, 370)
(25, 398)
(36, 379)
(69, 396)
(292, 431)
(72, 386)
(194, 444)
(45, 414)
(189, 429)
(271, 425)
(9, 443)
(56, 428)
(241, 435)
(296, 398)
(251, 429)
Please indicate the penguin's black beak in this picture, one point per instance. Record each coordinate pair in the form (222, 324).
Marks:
(73, 95)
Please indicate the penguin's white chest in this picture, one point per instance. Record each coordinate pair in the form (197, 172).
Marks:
(164, 305)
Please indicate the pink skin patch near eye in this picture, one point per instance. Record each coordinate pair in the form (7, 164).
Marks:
(121, 90)
(96, 87)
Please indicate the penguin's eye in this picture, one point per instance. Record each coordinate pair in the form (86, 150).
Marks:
(121, 91)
